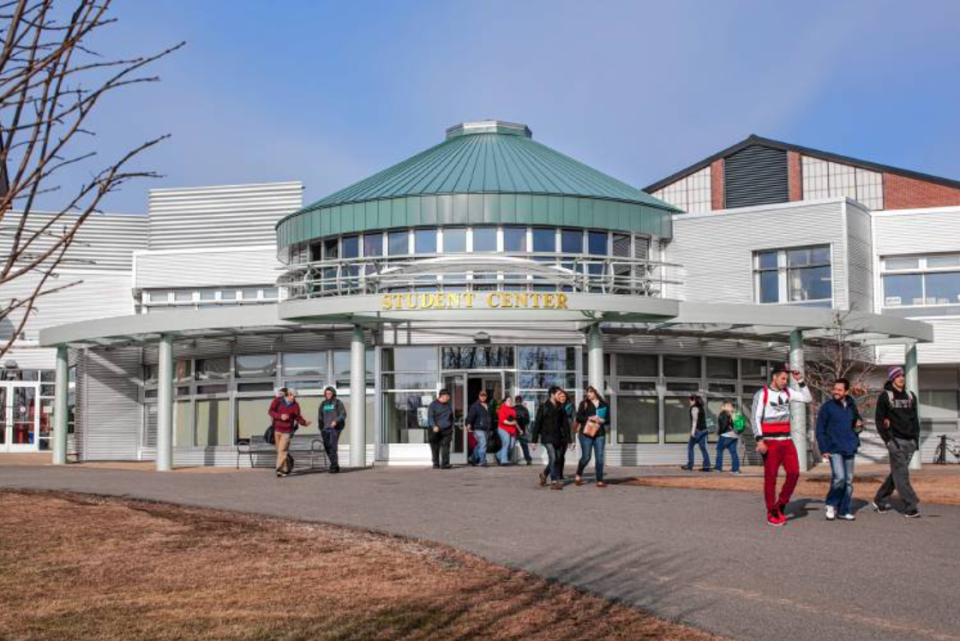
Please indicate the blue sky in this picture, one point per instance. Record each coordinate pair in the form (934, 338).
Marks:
(331, 92)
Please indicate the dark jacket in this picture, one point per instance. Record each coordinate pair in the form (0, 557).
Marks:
(835, 427)
(588, 409)
(552, 426)
(279, 407)
(725, 424)
(523, 418)
(900, 408)
(330, 411)
(701, 417)
(440, 415)
(480, 418)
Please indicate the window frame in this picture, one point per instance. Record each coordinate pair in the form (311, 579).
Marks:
(783, 271)
(923, 270)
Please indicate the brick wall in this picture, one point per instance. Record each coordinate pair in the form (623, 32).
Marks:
(900, 192)
(716, 185)
(795, 175)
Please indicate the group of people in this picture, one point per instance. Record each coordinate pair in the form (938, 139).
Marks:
(556, 424)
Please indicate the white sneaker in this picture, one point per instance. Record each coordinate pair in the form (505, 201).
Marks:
(848, 517)
(831, 512)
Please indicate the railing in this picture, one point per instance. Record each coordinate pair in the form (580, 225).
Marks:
(478, 272)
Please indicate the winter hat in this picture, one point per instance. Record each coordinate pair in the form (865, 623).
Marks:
(894, 372)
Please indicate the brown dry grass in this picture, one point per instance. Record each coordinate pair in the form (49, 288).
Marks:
(87, 567)
(933, 486)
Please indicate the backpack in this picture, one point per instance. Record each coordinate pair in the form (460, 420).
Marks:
(269, 436)
(739, 423)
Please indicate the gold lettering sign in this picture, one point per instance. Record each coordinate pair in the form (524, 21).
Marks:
(493, 300)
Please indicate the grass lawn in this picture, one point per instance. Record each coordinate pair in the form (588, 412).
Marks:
(83, 567)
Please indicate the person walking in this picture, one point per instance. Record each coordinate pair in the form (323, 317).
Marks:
(440, 426)
(592, 420)
(523, 428)
(728, 439)
(285, 413)
(570, 413)
(898, 423)
(837, 425)
(771, 429)
(479, 423)
(551, 427)
(333, 416)
(507, 429)
(698, 434)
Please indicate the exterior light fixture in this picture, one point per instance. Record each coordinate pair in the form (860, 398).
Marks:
(481, 338)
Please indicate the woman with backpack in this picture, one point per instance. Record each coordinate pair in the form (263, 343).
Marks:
(729, 438)
(286, 415)
(590, 425)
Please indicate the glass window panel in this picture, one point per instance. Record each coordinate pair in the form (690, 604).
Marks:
(767, 260)
(769, 287)
(571, 241)
(811, 283)
(722, 388)
(250, 293)
(369, 419)
(183, 297)
(158, 297)
(472, 357)
(183, 418)
(373, 244)
(547, 358)
(597, 243)
(454, 240)
(208, 294)
(341, 362)
(270, 293)
(544, 240)
(902, 290)
(485, 239)
(259, 387)
(350, 247)
(228, 294)
(252, 417)
(939, 405)
(545, 380)
(681, 366)
(410, 381)
(753, 368)
(256, 366)
(405, 416)
(514, 239)
(209, 369)
(639, 420)
(410, 359)
(399, 243)
(211, 389)
(213, 423)
(676, 419)
(638, 386)
(182, 370)
(637, 365)
(940, 262)
(683, 387)
(943, 288)
(722, 368)
(425, 241)
(305, 364)
(331, 249)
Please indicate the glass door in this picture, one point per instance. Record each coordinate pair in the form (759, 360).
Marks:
(456, 384)
(19, 411)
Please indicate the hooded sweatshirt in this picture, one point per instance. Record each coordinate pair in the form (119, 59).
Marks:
(900, 408)
(332, 410)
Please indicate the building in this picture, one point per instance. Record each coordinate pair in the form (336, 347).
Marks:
(488, 261)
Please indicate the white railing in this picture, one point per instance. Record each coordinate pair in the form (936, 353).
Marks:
(478, 272)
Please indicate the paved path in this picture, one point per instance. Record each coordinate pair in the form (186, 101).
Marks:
(703, 558)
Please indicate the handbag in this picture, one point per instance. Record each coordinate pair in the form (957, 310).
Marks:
(591, 429)
(269, 437)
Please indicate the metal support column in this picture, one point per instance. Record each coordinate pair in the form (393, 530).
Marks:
(911, 370)
(61, 406)
(358, 399)
(798, 411)
(595, 373)
(165, 404)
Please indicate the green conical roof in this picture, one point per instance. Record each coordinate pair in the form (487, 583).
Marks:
(489, 157)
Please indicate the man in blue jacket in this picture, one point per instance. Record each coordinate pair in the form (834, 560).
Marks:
(838, 427)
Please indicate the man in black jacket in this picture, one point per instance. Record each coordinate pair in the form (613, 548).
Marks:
(440, 424)
(480, 422)
(898, 423)
(523, 426)
(552, 427)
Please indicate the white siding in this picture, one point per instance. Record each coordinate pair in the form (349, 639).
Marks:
(716, 250)
(238, 216)
(209, 268)
(109, 411)
(860, 256)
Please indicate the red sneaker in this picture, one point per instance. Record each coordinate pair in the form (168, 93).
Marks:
(775, 518)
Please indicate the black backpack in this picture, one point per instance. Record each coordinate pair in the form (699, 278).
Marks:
(268, 436)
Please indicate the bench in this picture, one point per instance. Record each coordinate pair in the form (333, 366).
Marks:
(309, 444)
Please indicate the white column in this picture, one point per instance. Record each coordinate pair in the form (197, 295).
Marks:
(911, 372)
(595, 373)
(358, 399)
(61, 406)
(165, 404)
(798, 411)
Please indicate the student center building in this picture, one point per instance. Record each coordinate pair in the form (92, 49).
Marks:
(488, 261)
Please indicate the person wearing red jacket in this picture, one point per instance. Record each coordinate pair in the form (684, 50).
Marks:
(286, 415)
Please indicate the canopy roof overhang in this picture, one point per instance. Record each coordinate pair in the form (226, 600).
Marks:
(619, 314)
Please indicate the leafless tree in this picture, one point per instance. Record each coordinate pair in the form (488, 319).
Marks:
(51, 82)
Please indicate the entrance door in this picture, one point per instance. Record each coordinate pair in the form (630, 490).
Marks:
(18, 418)
(456, 384)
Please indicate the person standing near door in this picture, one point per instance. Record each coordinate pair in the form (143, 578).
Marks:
(333, 416)
(507, 429)
(479, 423)
(523, 428)
(440, 425)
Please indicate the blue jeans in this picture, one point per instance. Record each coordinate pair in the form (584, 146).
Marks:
(507, 442)
(479, 454)
(701, 440)
(727, 443)
(524, 441)
(840, 495)
(587, 447)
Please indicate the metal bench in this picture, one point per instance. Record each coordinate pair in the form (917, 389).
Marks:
(309, 444)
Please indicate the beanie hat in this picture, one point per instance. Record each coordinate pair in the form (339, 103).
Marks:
(894, 372)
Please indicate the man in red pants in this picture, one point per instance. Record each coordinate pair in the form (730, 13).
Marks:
(771, 428)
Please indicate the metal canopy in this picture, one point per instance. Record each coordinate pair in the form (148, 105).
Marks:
(657, 316)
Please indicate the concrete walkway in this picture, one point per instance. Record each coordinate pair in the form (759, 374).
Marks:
(703, 558)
